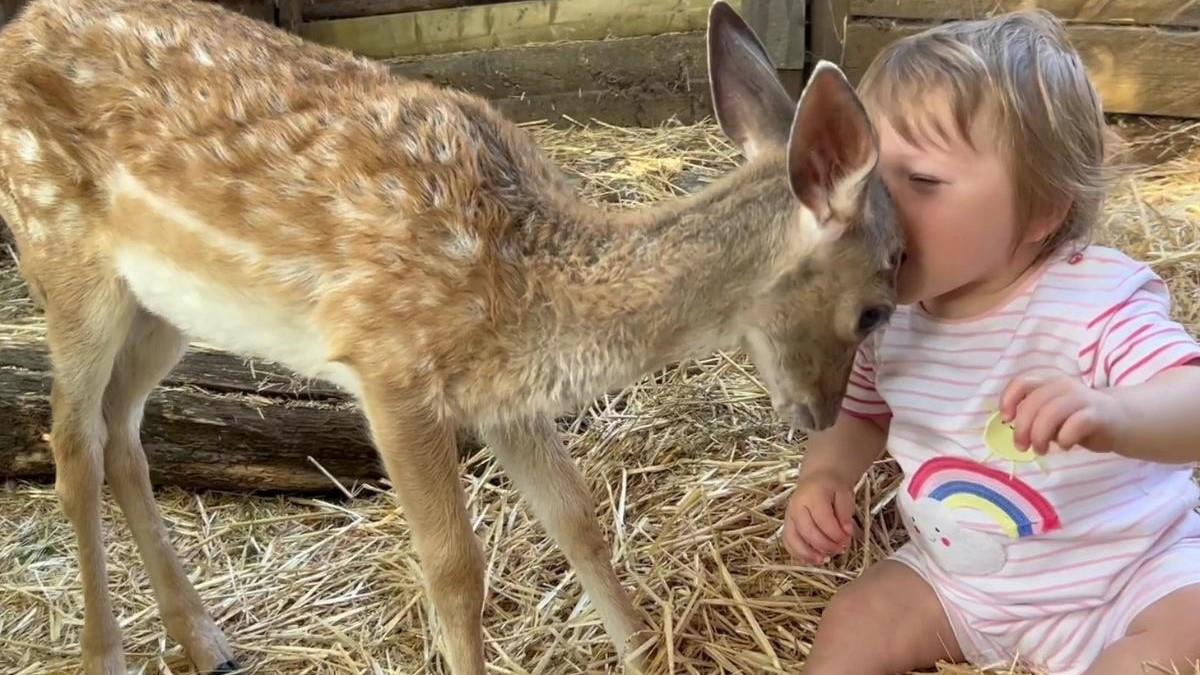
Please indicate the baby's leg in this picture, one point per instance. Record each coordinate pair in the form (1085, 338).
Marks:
(887, 621)
(1162, 639)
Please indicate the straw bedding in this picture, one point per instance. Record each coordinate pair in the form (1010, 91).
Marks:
(690, 469)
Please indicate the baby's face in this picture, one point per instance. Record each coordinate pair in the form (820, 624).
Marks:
(955, 201)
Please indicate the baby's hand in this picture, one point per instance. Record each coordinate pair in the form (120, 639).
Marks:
(1063, 410)
(818, 523)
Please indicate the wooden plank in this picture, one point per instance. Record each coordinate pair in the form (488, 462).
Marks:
(507, 25)
(632, 81)
(263, 10)
(319, 10)
(290, 14)
(1156, 12)
(1136, 70)
(780, 25)
(829, 29)
(9, 9)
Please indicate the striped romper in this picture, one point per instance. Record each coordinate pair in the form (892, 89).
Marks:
(1045, 560)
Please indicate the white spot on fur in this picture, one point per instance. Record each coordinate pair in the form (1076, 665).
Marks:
(83, 76)
(27, 145)
(45, 195)
(71, 219)
(201, 55)
(32, 229)
(118, 24)
(464, 246)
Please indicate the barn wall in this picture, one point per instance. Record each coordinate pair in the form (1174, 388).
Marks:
(1141, 54)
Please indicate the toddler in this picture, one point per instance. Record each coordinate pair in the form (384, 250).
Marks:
(1043, 406)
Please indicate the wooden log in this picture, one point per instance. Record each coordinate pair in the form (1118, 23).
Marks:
(319, 10)
(507, 25)
(215, 423)
(634, 81)
(1185, 13)
(1136, 70)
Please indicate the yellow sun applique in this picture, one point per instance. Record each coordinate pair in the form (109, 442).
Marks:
(998, 437)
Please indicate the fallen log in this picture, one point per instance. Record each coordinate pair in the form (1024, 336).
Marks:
(216, 422)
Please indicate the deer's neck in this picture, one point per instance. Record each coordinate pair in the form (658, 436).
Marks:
(619, 294)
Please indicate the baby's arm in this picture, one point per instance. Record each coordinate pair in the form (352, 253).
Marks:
(1158, 420)
(819, 520)
(845, 450)
(1140, 392)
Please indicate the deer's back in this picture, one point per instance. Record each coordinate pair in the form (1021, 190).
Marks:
(182, 137)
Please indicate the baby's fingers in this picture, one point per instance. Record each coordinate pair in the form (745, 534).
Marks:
(797, 548)
(812, 535)
(1081, 424)
(1049, 420)
(828, 522)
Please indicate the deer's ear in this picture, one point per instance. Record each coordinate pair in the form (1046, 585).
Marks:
(750, 103)
(833, 145)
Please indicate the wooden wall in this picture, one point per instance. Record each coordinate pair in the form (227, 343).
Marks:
(1141, 54)
(620, 62)
(259, 9)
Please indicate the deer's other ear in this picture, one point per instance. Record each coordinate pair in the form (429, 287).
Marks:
(750, 103)
(833, 146)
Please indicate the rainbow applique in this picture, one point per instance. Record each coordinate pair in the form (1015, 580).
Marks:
(1019, 510)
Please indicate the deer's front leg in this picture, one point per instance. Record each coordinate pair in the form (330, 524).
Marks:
(532, 455)
(419, 453)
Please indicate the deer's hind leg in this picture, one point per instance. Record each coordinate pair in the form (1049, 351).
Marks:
(88, 316)
(151, 349)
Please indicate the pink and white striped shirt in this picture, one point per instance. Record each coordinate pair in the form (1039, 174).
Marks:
(1015, 538)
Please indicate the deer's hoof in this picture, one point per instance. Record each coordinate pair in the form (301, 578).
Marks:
(227, 667)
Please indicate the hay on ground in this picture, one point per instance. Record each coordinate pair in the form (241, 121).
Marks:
(690, 468)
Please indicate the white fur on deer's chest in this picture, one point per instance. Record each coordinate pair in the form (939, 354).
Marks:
(228, 318)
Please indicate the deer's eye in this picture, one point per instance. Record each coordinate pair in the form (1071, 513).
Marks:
(872, 317)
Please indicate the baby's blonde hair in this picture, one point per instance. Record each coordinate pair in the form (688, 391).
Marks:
(1021, 71)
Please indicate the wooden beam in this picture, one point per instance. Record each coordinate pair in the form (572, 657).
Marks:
(1136, 70)
(289, 14)
(828, 30)
(320, 10)
(507, 25)
(780, 25)
(639, 81)
(1147, 12)
(9, 9)
(263, 10)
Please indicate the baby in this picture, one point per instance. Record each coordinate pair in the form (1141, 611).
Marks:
(1042, 405)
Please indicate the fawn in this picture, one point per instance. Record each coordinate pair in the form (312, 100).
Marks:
(174, 171)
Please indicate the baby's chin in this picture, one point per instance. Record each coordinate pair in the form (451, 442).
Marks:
(909, 289)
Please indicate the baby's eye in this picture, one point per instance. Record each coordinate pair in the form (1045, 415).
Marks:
(922, 183)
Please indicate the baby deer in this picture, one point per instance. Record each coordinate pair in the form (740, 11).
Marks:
(173, 171)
